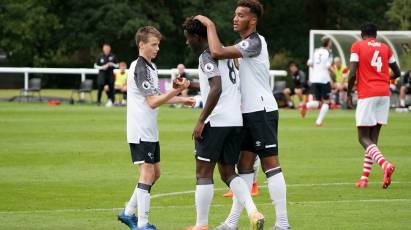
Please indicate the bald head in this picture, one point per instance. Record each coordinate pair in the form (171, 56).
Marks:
(181, 68)
(337, 62)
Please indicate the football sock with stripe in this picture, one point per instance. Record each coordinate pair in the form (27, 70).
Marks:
(278, 191)
(203, 197)
(143, 200)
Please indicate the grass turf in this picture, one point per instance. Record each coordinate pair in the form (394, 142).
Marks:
(68, 167)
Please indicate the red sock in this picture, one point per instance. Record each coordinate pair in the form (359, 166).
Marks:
(376, 155)
(366, 167)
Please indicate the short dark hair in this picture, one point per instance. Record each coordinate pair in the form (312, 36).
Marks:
(255, 6)
(292, 63)
(324, 41)
(194, 26)
(145, 32)
(369, 29)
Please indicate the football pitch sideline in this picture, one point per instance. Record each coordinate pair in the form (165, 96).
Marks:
(69, 167)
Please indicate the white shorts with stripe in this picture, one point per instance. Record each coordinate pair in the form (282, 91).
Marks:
(372, 111)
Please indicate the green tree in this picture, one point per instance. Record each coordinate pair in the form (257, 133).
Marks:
(400, 12)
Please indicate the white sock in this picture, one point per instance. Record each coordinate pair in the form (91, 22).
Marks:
(256, 167)
(323, 111)
(204, 195)
(313, 104)
(143, 200)
(277, 190)
(131, 204)
(402, 102)
(242, 192)
(237, 207)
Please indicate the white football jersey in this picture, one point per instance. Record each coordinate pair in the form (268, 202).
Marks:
(322, 59)
(227, 112)
(254, 71)
(141, 118)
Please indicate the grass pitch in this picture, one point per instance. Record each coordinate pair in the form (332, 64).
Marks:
(69, 167)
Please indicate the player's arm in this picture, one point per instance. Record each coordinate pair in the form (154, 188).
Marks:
(98, 66)
(214, 44)
(155, 101)
(351, 82)
(212, 99)
(115, 63)
(396, 70)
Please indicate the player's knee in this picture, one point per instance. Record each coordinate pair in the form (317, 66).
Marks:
(228, 178)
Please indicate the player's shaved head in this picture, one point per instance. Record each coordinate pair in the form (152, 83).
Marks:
(255, 6)
(369, 30)
(195, 27)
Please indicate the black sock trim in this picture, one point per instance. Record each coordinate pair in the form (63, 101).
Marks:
(272, 172)
(204, 181)
(245, 171)
(146, 187)
(228, 181)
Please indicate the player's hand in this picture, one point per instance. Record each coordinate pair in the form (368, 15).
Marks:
(181, 83)
(349, 101)
(189, 101)
(204, 20)
(198, 130)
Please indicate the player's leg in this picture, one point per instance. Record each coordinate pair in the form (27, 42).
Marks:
(246, 172)
(299, 93)
(204, 192)
(287, 95)
(325, 91)
(277, 189)
(110, 92)
(241, 193)
(403, 93)
(100, 88)
(368, 162)
(256, 167)
(314, 103)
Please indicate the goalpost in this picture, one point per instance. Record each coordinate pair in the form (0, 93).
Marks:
(399, 42)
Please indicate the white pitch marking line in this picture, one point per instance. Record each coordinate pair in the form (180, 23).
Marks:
(221, 205)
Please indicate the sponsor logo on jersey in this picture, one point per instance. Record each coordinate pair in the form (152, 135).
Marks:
(101, 60)
(374, 44)
(145, 85)
(258, 143)
(244, 44)
(209, 67)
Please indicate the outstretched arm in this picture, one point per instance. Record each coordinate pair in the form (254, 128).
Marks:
(157, 100)
(216, 49)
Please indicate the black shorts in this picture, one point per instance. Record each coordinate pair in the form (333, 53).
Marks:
(145, 152)
(219, 144)
(260, 133)
(321, 91)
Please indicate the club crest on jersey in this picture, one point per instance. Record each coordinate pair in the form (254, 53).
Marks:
(102, 60)
(209, 67)
(110, 58)
(244, 44)
(145, 85)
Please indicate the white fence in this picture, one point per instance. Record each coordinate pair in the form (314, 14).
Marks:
(82, 72)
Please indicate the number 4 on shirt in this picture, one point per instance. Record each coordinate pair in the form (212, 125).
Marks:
(376, 61)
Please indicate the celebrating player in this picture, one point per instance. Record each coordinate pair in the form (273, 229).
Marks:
(144, 98)
(369, 64)
(258, 105)
(218, 131)
(320, 80)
